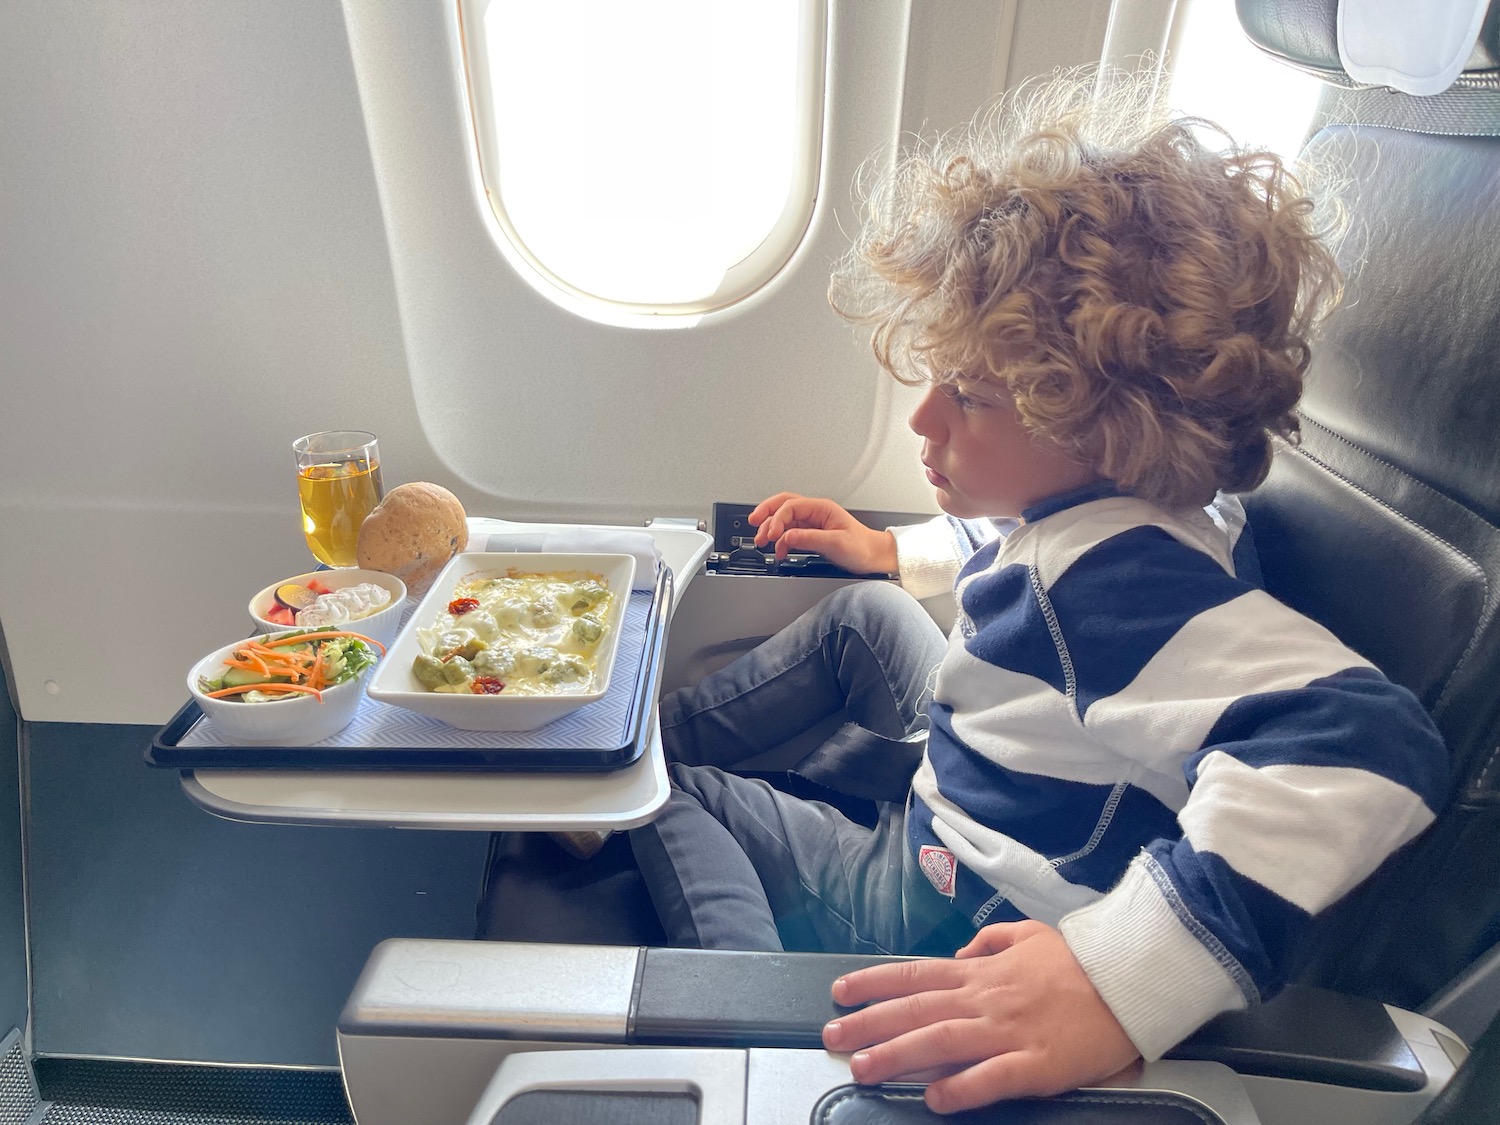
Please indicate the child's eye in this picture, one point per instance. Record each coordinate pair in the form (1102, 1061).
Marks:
(961, 400)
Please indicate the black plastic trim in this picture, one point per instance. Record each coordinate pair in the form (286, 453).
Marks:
(1313, 1035)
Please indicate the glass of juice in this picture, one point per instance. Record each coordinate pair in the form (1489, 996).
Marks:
(338, 482)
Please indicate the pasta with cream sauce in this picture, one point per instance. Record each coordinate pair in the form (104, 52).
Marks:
(521, 634)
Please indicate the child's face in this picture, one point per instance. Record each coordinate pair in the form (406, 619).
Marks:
(982, 460)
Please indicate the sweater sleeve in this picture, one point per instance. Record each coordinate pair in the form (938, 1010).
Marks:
(1293, 766)
(929, 555)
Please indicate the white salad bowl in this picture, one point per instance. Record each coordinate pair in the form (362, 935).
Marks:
(382, 625)
(394, 682)
(284, 722)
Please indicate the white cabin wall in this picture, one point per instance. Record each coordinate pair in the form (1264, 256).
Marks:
(205, 252)
(193, 272)
(951, 69)
(962, 53)
(1053, 34)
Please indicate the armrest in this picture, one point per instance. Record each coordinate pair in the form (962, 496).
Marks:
(710, 998)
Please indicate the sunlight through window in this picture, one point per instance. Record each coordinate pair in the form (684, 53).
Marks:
(1217, 73)
(660, 154)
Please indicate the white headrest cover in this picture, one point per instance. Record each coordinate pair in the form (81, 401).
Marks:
(1415, 46)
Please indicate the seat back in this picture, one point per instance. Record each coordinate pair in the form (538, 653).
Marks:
(1382, 523)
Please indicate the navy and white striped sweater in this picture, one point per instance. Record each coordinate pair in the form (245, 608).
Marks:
(1132, 742)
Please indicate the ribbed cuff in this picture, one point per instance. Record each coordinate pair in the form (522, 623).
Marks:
(1160, 980)
(928, 558)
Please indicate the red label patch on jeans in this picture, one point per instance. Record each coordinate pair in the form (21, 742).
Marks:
(939, 866)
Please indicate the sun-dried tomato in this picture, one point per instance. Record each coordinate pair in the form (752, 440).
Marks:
(486, 685)
(460, 606)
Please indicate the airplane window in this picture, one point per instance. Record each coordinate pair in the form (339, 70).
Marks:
(651, 158)
(1217, 73)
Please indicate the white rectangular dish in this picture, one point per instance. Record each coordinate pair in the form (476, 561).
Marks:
(394, 682)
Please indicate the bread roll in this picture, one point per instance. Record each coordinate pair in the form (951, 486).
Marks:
(413, 533)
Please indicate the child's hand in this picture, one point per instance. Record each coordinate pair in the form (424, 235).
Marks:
(801, 523)
(1012, 1015)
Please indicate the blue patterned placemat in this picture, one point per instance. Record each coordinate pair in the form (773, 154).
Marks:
(601, 725)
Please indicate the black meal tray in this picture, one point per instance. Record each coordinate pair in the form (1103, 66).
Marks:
(482, 750)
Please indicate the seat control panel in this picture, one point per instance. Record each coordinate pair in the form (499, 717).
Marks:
(735, 551)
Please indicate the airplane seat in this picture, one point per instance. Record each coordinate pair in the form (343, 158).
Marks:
(1383, 523)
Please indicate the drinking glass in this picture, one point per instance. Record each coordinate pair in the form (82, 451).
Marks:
(338, 483)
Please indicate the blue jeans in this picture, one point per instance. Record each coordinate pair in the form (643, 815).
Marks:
(733, 863)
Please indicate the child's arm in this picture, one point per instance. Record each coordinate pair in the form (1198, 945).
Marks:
(1291, 767)
(804, 523)
(1012, 1016)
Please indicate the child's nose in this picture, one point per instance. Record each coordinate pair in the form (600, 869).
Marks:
(924, 420)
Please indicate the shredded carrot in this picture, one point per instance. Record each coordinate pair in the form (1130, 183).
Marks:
(264, 687)
(272, 662)
(283, 661)
(248, 666)
(324, 636)
(260, 650)
(304, 670)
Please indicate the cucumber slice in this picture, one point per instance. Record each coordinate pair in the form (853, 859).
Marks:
(239, 677)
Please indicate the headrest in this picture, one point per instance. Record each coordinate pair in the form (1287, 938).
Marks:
(1306, 33)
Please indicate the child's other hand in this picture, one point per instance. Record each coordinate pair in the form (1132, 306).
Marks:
(802, 523)
(1012, 1015)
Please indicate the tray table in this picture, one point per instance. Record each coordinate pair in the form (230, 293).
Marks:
(464, 800)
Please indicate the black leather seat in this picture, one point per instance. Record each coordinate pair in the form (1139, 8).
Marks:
(1382, 523)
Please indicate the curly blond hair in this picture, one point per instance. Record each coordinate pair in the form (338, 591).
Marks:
(1144, 298)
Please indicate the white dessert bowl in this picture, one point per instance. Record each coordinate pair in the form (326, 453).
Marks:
(381, 626)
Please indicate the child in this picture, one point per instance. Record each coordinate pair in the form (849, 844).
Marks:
(1142, 776)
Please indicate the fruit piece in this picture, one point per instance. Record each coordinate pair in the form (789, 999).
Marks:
(413, 533)
(295, 597)
(279, 615)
